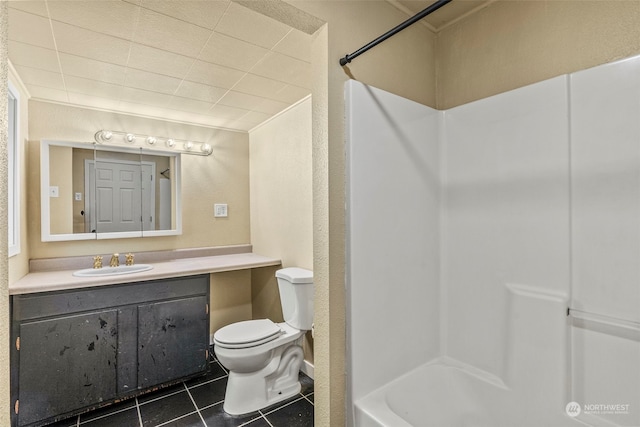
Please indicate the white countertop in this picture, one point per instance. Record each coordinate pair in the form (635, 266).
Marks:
(42, 281)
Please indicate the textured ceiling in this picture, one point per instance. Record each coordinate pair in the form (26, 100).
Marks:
(205, 62)
(212, 62)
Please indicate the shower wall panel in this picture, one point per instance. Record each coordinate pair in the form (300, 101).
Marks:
(392, 236)
(506, 214)
(605, 163)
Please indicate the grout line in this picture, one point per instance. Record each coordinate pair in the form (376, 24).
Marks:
(139, 414)
(205, 382)
(283, 406)
(178, 418)
(194, 404)
(307, 397)
(105, 415)
(158, 398)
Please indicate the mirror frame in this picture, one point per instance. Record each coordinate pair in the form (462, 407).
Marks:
(45, 206)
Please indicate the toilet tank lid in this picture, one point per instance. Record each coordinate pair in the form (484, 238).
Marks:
(295, 275)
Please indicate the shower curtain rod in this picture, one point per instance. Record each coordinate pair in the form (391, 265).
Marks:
(435, 6)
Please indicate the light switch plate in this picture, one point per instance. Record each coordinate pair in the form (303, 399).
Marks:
(78, 197)
(220, 210)
(54, 191)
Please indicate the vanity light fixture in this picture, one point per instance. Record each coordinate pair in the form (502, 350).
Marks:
(182, 146)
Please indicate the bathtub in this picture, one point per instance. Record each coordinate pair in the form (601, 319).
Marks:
(449, 394)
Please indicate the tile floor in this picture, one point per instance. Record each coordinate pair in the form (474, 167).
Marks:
(198, 403)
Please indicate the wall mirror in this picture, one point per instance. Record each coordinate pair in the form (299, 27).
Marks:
(91, 191)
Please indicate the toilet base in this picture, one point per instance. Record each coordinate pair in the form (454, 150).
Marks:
(249, 392)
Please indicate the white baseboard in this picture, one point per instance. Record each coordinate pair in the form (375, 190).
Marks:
(307, 368)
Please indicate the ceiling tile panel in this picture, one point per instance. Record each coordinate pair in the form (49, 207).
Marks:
(36, 7)
(250, 26)
(202, 13)
(33, 56)
(115, 18)
(40, 77)
(291, 94)
(200, 91)
(170, 34)
(190, 105)
(295, 44)
(89, 44)
(145, 97)
(31, 29)
(151, 81)
(284, 68)
(159, 61)
(92, 87)
(252, 102)
(214, 75)
(259, 86)
(79, 66)
(223, 50)
(222, 111)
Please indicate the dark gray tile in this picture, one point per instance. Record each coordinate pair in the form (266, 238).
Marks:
(192, 420)
(310, 397)
(306, 383)
(298, 413)
(161, 392)
(116, 407)
(126, 418)
(166, 409)
(209, 393)
(215, 416)
(214, 371)
(275, 406)
(260, 422)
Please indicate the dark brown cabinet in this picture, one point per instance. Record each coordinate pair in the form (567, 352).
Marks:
(80, 349)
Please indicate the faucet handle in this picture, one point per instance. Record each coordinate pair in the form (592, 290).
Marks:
(129, 259)
(97, 262)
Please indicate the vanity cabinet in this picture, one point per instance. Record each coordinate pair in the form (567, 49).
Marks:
(77, 350)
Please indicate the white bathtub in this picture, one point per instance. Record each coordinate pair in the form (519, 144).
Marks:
(442, 395)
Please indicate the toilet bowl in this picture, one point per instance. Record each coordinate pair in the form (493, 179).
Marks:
(263, 357)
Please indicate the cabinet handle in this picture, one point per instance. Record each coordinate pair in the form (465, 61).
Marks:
(18, 343)
(17, 406)
(206, 310)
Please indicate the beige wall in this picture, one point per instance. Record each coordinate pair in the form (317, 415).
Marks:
(514, 43)
(61, 176)
(230, 298)
(281, 204)
(220, 178)
(281, 187)
(5, 420)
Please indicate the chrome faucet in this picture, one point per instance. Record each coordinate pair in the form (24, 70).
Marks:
(115, 261)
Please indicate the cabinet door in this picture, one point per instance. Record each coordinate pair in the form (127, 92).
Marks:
(66, 363)
(173, 340)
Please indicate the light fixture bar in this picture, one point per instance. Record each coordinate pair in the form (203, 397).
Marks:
(112, 137)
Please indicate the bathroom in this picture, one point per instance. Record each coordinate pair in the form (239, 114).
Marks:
(499, 47)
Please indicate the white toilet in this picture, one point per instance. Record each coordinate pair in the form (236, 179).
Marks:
(263, 358)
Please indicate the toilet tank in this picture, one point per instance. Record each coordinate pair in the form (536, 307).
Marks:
(296, 296)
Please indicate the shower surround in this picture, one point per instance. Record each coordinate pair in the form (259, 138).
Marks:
(492, 271)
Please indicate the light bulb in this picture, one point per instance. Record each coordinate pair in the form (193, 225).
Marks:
(206, 148)
(170, 143)
(188, 145)
(130, 138)
(151, 140)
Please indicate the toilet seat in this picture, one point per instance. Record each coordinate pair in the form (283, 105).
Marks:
(249, 333)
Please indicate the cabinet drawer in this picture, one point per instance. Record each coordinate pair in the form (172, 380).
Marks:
(33, 306)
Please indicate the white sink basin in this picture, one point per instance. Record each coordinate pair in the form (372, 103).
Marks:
(112, 271)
